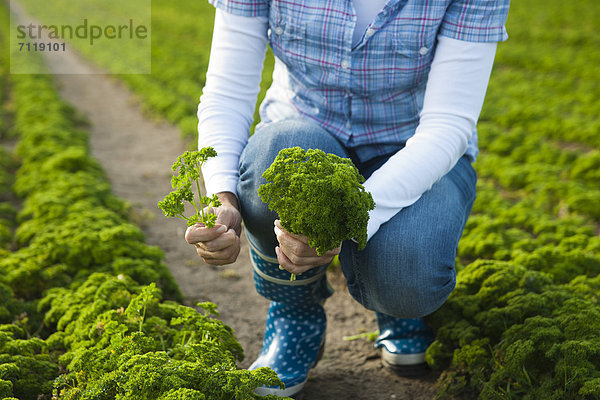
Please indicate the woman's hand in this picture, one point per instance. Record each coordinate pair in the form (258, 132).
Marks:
(295, 255)
(220, 244)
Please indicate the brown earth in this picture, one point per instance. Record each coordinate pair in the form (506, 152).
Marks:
(137, 154)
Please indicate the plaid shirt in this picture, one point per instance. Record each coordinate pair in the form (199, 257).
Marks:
(368, 96)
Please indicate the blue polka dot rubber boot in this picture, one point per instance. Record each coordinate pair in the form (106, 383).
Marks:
(295, 330)
(403, 342)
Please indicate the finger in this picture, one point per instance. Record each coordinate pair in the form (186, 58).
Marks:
(198, 233)
(288, 265)
(221, 242)
(299, 249)
(230, 217)
(313, 260)
(221, 261)
(296, 249)
(220, 257)
(221, 254)
(227, 261)
(334, 252)
(302, 238)
(292, 244)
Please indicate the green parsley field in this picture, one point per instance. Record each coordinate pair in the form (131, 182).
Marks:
(107, 321)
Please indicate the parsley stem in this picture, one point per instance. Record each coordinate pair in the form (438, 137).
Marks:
(201, 205)
(188, 167)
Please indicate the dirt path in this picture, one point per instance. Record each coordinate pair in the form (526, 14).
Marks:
(137, 154)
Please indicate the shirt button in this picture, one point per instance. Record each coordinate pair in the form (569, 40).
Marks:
(345, 64)
(423, 51)
(278, 30)
(369, 33)
(348, 125)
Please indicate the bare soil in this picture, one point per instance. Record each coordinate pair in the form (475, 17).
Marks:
(137, 153)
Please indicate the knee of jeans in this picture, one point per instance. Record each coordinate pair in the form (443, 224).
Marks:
(265, 144)
(257, 156)
(415, 297)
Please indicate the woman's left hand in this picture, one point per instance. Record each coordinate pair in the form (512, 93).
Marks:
(295, 255)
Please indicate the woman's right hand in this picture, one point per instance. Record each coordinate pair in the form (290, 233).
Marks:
(220, 244)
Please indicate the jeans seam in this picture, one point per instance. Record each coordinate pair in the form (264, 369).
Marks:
(357, 277)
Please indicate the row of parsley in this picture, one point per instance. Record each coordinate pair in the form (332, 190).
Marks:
(88, 310)
(522, 322)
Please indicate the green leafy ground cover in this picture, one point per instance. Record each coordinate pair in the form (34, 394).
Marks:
(523, 320)
(87, 309)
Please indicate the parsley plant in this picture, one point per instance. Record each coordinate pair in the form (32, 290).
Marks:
(188, 174)
(318, 195)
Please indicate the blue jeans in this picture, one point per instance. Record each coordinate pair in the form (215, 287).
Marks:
(407, 269)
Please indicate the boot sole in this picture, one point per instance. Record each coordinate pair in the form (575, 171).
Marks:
(406, 365)
(407, 371)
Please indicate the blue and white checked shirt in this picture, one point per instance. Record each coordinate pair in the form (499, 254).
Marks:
(368, 96)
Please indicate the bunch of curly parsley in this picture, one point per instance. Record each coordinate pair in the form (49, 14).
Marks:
(318, 195)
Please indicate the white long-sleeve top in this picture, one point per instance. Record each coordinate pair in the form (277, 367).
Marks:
(454, 96)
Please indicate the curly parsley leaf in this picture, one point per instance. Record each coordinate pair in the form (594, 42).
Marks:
(187, 168)
(318, 195)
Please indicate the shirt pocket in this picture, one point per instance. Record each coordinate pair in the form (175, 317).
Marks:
(412, 55)
(288, 42)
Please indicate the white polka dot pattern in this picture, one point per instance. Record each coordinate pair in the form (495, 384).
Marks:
(296, 322)
(293, 336)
